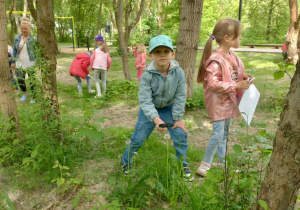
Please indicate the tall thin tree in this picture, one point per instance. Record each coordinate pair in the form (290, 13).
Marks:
(124, 36)
(7, 99)
(293, 33)
(188, 38)
(48, 48)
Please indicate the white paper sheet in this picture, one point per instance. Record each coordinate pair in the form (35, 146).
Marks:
(248, 103)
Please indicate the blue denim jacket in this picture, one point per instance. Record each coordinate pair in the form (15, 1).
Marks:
(31, 43)
(157, 91)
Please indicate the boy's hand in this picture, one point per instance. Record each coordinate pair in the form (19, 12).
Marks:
(179, 124)
(158, 121)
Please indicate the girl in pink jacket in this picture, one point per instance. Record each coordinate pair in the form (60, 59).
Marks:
(224, 81)
(79, 69)
(140, 62)
(100, 63)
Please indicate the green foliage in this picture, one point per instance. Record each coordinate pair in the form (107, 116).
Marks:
(283, 66)
(120, 90)
(263, 204)
(6, 202)
(197, 101)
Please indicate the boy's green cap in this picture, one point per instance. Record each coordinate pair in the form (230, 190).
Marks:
(160, 40)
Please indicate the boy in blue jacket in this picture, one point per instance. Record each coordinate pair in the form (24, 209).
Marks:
(162, 100)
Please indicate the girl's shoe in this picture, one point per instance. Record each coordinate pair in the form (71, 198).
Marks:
(97, 96)
(32, 101)
(203, 168)
(23, 98)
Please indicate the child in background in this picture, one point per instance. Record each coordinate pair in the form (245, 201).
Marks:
(10, 52)
(79, 69)
(224, 81)
(140, 63)
(100, 63)
(162, 100)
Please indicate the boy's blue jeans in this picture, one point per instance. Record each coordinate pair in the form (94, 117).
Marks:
(217, 141)
(144, 128)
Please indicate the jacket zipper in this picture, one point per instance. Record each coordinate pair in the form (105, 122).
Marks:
(163, 92)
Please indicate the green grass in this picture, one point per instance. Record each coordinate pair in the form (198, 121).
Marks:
(156, 182)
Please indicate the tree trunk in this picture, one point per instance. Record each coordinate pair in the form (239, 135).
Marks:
(188, 38)
(10, 40)
(292, 38)
(123, 47)
(99, 18)
(32, 10)
(282, 181)
(47, 41)
(220, 9)
(25, 8)
(269, 21)
(17, 21)
(7, 99)
(148, 8)
(113, 22)
(124, 37)
(159, 15)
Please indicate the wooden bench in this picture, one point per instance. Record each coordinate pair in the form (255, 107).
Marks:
(276, 46)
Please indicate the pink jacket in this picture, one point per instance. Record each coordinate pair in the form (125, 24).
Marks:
(140, 61)
(100, 60)
(220, 93)
(80, 65)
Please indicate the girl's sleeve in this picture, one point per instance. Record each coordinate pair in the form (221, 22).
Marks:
(215, 83)
(108, 61)
(92, 60)
(134, 52)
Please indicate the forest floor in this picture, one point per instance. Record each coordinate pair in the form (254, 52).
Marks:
(124, 115)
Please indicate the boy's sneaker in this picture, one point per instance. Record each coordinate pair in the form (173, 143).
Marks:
(188, 174)
(126, 168)
(203, 168)
(91, 91)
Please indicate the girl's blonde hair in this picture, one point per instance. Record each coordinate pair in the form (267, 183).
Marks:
(140, 48)
(26, 21)
(223, 27)
(103, 47)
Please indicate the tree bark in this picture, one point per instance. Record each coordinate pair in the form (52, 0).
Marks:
(188, 38)
(282, 181)
(10, 40)
(25, 8)
(269, 21)
(124, 37)
(159, 15)
(7, 99)
(128, 27)
(293, 31)
(32, 10)
(113, 22)
(17, 21)
(47, 42)
(99, 18)
(118, 7)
